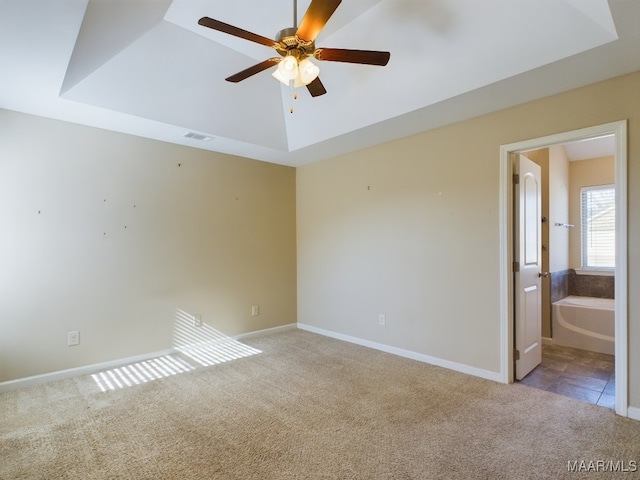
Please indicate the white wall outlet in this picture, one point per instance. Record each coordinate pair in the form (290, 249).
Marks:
(73, 338)
(255, 310)
(197, 320)
(382, 319)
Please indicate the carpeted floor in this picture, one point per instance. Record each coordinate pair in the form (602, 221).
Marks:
(309, 407)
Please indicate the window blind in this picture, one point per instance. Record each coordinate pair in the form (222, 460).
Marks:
(598, 226)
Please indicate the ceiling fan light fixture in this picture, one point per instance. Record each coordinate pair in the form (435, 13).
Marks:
(295, 45)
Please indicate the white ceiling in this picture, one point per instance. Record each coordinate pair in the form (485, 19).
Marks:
(147, 68)
(591, 148)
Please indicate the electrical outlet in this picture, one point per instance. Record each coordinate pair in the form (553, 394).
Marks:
(382, 319)
(197, 320)
(73, 338)
(255, 310)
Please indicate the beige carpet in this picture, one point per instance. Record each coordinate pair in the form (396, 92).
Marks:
(308, 407)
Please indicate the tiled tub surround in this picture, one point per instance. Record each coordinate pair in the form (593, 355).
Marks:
(599, 286)
(568, 282)
(559, 285)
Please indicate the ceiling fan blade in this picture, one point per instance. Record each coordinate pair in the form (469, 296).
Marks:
(315, 18)
(238, 77)
(367, 57)
(316, 88)
(238, 32)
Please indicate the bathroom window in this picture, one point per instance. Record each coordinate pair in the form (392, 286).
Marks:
(598, 227)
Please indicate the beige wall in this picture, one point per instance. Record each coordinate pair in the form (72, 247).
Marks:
(411, 229)
(111, 234)
(541, 157)
(558, 209)
(585, 173)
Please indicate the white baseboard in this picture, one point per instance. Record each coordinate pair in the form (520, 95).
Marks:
(458, 367)
(98, 367)
(547, 341)
(633, 412)
(77, 371)
(266, 331)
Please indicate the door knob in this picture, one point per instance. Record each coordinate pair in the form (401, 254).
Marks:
(543, 274)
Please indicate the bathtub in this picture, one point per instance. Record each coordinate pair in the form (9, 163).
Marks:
(584, 322)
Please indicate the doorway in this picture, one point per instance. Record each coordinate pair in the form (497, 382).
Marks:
(618, 130)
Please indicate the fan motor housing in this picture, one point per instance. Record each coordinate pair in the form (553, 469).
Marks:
(290, 44)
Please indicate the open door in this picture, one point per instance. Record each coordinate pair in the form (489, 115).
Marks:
(527, 266)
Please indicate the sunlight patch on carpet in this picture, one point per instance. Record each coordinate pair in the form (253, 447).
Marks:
(141, 372)
(204, 344)
(192, 339)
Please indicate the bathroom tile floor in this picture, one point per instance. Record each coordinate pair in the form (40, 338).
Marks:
(586, 376)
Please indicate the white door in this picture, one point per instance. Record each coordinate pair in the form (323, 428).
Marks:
(527, 270)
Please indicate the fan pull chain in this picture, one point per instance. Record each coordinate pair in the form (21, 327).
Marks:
(294, 95)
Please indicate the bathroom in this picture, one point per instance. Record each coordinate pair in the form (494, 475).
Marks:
(578, 252)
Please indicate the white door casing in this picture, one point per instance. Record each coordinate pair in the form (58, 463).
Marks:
(528, 257)
(619, 130)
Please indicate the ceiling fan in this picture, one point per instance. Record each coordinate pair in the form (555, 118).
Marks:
(296, 45)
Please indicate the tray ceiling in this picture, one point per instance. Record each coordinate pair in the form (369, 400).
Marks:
(147, 68)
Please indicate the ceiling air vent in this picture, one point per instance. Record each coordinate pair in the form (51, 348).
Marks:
(198, 136)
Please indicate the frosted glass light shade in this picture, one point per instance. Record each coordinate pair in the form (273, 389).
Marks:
(308, 71)
(288, 67)
(278, 76)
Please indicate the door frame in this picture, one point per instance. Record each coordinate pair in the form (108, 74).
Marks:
(619, 130)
